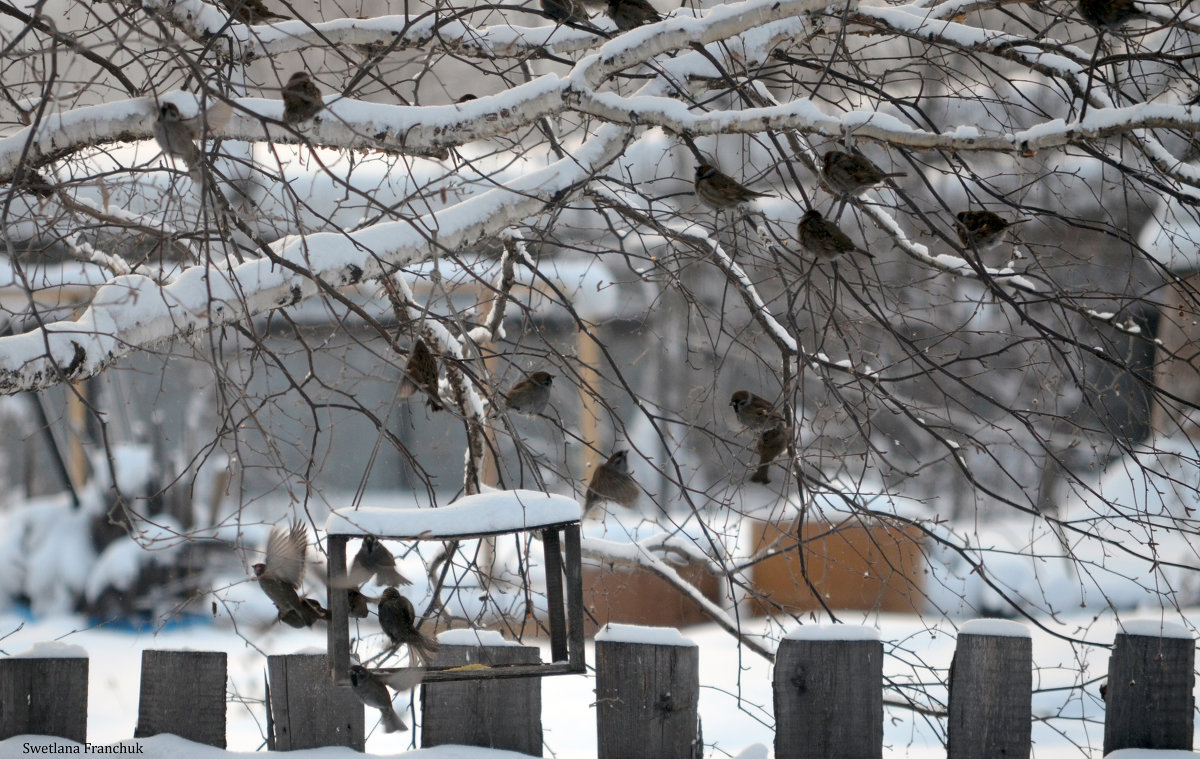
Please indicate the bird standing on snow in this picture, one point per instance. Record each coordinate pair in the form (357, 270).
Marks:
(301, 98)
(719, 190)
(398, 619)
(612, 481)
(281, 575)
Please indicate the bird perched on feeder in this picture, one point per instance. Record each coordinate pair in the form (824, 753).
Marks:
(421, 373)
(612, 481)
(824, 239)
(753, 412)
(530, 395)
(282, 574)
(716, 189)
(850, 174)
(399, 621)
(983, 230)
(301, 98)
(771, 443)
(374, 560)
(630, 14)
(372, 692)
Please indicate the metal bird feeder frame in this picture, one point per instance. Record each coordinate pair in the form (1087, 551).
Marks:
(565, 613)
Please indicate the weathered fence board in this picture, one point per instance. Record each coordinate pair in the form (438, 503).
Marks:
(991, 692)
(44, 697)
(504, 713)
(308, 710)
(1149, 700)
(183, 692)
(647, 693)
(829, 694)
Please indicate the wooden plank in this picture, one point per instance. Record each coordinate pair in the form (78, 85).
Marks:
(308, 710)
(991, 697)
(574, 572)
(646, 700)
(829, 699)
(183, 692)
(552, 552)
(337, 600)
(44, 697)
(495, 671)
(504, 714)
(1149, 700)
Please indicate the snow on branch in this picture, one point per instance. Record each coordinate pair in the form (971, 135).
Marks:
(133, 312)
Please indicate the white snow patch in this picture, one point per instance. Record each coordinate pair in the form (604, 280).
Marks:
(486, 513)
(52, 649)
(833, 632)
(1000, 628)
(469, 637)
(650, 636)
(1155, 628)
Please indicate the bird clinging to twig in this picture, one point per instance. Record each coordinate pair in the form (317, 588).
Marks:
(824, 239)
(771, 443)
(398, 619)
(719, 190)
(850, 174)
(421, 373)
(755, 413)
(282, 573)
(982, 230)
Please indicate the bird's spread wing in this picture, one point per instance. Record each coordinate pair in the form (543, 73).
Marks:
(285, 553)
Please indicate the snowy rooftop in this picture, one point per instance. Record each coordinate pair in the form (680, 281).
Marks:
(653, 636)
(833, 632)
(472, 516)
(1155, 628)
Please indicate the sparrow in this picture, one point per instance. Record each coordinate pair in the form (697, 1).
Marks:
(565, 11)
(399, 621)
(771, 443)
(824, 239)
(251, 11)
(372, 692)
(630, 14)
(358, 604)
(612, 481)
(374, 560)
(530, 395)
(718, 190)
(177, 136)
(1110, 14)
(421, 373)
(301, 98)
(982, 230)
(753, 412)
(850, 174)
(282, 573)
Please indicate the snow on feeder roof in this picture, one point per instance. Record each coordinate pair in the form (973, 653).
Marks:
(473, 516)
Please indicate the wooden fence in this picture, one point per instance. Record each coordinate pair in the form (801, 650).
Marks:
(828, 694)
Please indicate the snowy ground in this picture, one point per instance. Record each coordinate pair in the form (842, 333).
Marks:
(735, 705)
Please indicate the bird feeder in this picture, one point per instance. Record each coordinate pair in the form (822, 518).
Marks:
(555, 518)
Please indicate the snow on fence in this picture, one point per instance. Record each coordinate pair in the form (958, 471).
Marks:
(828, 686)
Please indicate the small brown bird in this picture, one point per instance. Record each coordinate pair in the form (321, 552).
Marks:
(771, 443)
(372, 692)
(374, 560)
(612, 481)
(753, 412)
(177, 136)
(301, 98)
(251, 11)
(630, 14)
(824, 239)
(281, 575)
(421, 373)
(850, 174)
(398, 619)
(1110, 14)
(718, 190)
(358, 604)
(530, 395)
(982, 230)
(565, 11)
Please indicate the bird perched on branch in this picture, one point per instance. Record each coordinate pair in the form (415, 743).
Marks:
(282, 574)
(753, 412)
(372, 692)
(566, 11)
(771, 443)
(982, 230)
(301, 98)
(374, 560)
(399, 621)
(530, 395)
(251, 11)
(719, 190)
(421, 373)
(1110, 14)
(850, 174)
(612, 481)
(824, 239)
(630, 14)
(177, 136)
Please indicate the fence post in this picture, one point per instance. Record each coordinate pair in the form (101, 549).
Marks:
(1149, 699)
(307, 709)
(44, 692)
(183, 692)
(829, 693)
(991, 691)
(647, 689)
(504, 713)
